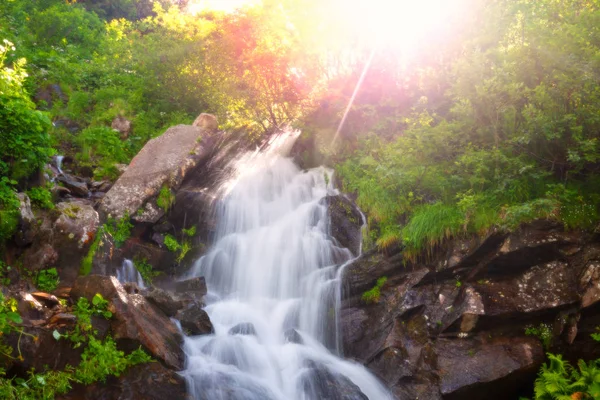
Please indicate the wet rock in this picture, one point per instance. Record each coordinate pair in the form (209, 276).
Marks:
(231, 386)
(135, 321)
(292, 336)
(27, 223)
(150, 381)
(195, 285)
(60, 191)
(345, 222)
(465, 366)
(77, 187)
(164, 161)
(206, 122)
(318, 382)
(122, 125)
(63, 319)
(195, 320)
(165, 301)
(245, 328)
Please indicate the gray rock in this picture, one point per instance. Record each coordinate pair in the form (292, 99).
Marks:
(76, 186)
(164, 160)
(245, 328)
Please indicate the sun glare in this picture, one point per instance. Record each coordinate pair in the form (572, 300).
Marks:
(404, 25)
(196, 6)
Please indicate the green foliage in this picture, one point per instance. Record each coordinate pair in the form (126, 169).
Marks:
(47, 280)
(558, 380)
(372, 296)
(41, 197)
(190, 232)
(542, 332)
(120, 229)
(102, 147)
(171, 243)
(145, 269)
(165, 198)
(102, 359)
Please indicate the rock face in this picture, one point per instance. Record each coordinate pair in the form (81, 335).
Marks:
(135, 321)
(454, 327)
(345, 222)
(164, 161)
(123, 125)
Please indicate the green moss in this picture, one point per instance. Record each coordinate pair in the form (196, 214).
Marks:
(88, 260)
(372, 296)
(165, 198)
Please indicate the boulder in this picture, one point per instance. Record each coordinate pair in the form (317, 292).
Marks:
(122, 125)
(42, 257)
(135, 321)
(163, 161)
(292, 336)
(196, 286)
(165, 301)
(195, 320)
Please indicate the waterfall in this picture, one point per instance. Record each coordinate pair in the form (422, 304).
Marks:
(129, 273)
(59, 160)
(274, 292)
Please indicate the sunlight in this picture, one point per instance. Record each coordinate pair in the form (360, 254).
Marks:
(196, 6)
(403, 25)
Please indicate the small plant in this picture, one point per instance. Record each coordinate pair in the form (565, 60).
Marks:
(88, 261)
(119, 229)
(189, 232)
(47, 280)
(145, 269)
(596, 336)
(373, 295)
(458, 284)
(4, 269)
(165, 198)
(542, 332)
(558, 380)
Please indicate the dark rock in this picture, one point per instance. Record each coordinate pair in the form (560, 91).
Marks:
(60, 191)
(345, 222)
(292, 336)
(318, 382)
(165, 301)
(195, 320)
(77, 187)
(27, 222)
(62, 319)
(135, 321)
(466, 365)
(245, 328)
(40, 258)
(151, 381)
(163, 161)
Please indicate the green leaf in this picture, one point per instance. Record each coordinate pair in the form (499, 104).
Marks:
(56, 334)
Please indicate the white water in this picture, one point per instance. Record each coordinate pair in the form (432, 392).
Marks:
(59, 160)
(273, 265)
(129, 273)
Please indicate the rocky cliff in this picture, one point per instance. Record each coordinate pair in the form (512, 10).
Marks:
(454, 326)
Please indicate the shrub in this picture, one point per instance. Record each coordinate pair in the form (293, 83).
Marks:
(41, 197)
(373, 295)
(47, 280)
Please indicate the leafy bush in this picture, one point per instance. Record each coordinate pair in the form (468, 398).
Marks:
(47, 280)
(41, 197)
(542, 332)
(102, 147)
(558, 380)
(145, 269)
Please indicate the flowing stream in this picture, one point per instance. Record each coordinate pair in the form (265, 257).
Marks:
(129, 273)
(273, 299)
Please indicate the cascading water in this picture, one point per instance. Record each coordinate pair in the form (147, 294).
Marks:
(129, 273)
(272, 285)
